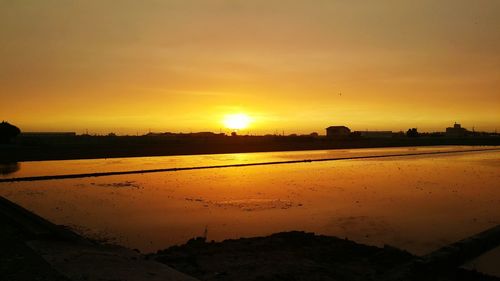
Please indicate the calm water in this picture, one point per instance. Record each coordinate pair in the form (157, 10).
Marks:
(418, 203)
(28, 169)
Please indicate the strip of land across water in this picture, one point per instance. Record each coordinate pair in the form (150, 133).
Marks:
(103, 174)
(94, 147)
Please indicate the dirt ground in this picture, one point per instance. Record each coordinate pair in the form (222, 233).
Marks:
(18, 262)
(293, 256)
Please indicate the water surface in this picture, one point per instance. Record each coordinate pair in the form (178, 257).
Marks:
(417, 203)
(66, 167)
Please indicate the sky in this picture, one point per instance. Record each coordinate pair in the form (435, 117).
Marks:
(131, 67)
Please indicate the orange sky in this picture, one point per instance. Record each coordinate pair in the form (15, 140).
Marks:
(131, 66)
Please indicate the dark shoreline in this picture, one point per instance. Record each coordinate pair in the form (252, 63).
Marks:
(95, 147)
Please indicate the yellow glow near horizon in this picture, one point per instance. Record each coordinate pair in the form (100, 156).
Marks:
(293, 66)
(236, 121)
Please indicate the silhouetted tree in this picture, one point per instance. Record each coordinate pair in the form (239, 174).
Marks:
(7, 132)
(9, 168)
(412, 133)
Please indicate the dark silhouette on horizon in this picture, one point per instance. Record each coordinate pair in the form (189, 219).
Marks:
(457, 131)
(9, 168)
(338, 132)
(35, 146)
(8, 132)
(412, 133)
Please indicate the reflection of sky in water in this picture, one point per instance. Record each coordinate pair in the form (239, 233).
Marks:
(418, 203)
(43, 168)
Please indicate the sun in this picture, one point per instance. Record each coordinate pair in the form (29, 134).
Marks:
(236, 121)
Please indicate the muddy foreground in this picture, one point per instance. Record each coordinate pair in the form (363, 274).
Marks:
(297, 256)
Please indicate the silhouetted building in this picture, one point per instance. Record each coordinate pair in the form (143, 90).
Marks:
(456, 131)
(375, 134)
(338, 132)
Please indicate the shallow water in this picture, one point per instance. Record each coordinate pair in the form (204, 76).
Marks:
(417, 203)
(64, 167)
